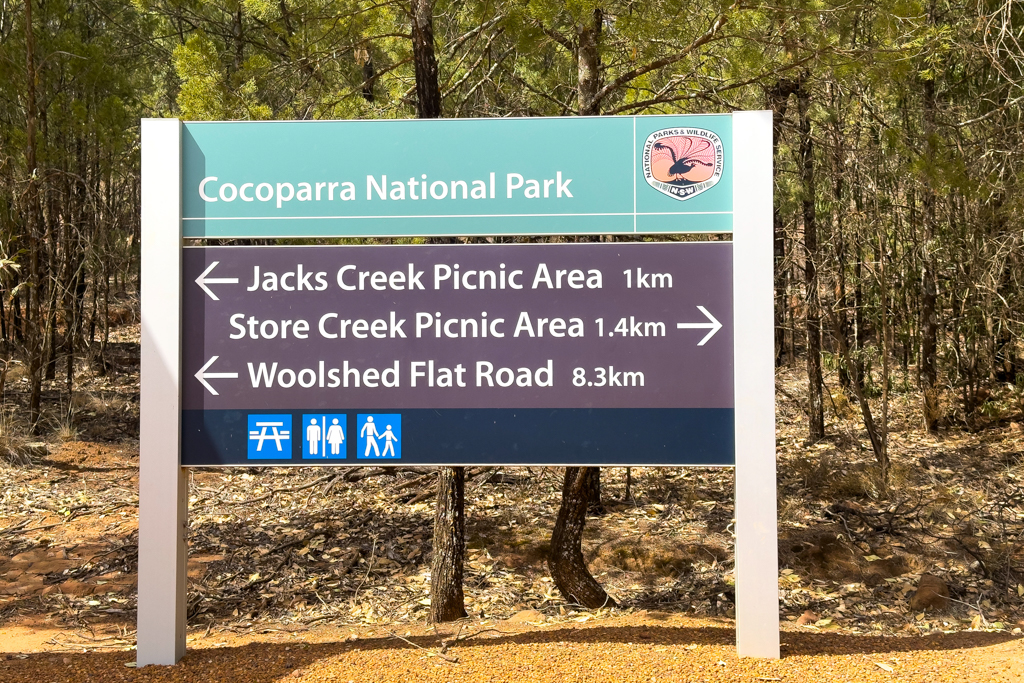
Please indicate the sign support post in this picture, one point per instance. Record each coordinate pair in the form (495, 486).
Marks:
(757, 564)
(197, 410)
(163, 483)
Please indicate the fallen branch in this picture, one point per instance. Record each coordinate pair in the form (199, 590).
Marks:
(380, 472)
(421, 496)
(452, 660)
(799, 404)
(285, 489)
(415, 481)
(446, 644)
(14, 528)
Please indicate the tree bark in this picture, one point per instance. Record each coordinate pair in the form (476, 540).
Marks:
(365, 60)
(843, 298)
(447, 602)
(588, 85)
(860, 332)
(816, 406)
(588, 65)
(595, 506)
(238, 39)
(33, 310)
(778, 100)
(568, 568)
(428, 90)
(882, 454)
(929, 374)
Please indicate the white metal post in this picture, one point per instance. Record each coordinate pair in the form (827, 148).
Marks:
(163, 484)
(757, 562)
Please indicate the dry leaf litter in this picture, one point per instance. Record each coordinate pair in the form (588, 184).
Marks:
(298, 552)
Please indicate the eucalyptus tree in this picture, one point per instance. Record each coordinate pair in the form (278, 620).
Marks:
(898, 159)
(591, 58)
(70, 94)
(298, 59)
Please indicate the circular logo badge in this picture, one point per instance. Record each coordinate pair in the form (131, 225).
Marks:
(683, 162)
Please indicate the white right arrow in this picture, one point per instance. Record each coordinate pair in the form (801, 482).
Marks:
(202, 281)
(203, 375)
(714, 326)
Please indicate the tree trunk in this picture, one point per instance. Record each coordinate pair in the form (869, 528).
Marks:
(882, 452)
(365, 60)
(588, 72)
(568, 568)
(842, 296)
(428, 90)
(33, 310)
(860, 333)
(238, 39)
(778, 100)
(50, 344)
(447, 602)
(929, 374)
(588, 65)
(595, 506)
(17, 315)
(816, 406)
(859, 325)
(876, 433)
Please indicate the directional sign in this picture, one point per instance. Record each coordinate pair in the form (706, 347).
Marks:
(202, 375)
(203, 281)
(713, 326)
(504, 353)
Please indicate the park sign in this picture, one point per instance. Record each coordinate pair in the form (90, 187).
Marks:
(537, 176)
(519, 354)
(582, 353)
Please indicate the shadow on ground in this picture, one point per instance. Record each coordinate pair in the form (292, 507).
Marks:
(268, 662)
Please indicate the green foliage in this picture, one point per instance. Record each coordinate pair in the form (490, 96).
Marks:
(911, 104)
(202, 93)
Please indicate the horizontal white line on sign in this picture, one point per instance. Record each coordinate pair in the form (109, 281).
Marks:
(678, 213)
(460, 215)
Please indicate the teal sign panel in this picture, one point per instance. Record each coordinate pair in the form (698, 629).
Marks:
(443, 177)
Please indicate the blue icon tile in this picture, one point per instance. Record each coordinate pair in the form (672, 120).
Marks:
(323, 436)
(379, 437)
(270, 437)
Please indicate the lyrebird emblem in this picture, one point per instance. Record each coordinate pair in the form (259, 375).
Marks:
(683, 163)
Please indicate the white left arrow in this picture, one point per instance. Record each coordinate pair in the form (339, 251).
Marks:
(203, 375)
(713, 326)
(202, 281)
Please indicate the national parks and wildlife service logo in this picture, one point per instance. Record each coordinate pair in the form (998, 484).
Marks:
(683, 162)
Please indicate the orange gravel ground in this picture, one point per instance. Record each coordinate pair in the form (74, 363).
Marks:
(643, 648)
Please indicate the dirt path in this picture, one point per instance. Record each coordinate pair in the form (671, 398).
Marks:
(644, 648)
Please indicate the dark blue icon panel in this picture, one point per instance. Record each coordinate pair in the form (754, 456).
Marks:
(615, 437)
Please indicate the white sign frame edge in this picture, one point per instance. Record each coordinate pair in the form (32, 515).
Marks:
(163, 483)
(757, 537)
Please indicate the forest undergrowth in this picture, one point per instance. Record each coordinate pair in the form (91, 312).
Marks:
(286, 548)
